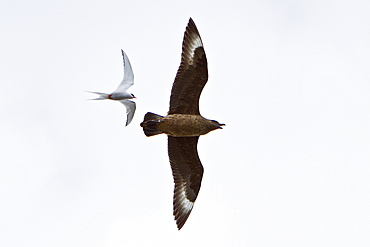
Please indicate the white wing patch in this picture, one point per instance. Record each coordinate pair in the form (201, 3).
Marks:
(185, 205)
(194, 43)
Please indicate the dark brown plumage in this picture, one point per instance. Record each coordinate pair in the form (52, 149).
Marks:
(184, 124)
(191, 76)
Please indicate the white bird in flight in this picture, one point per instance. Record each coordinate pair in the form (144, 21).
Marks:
(121, 94)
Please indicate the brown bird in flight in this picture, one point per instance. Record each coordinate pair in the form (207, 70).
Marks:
(184, 124)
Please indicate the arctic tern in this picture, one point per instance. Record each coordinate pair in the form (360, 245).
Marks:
(121, 94)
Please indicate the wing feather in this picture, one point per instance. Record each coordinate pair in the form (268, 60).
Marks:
(187, 171)
(130, 109)
(128, 75)
(191, 76)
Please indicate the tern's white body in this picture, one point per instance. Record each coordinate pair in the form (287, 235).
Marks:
(121, 94)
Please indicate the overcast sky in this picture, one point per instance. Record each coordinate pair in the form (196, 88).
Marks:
(290, 79)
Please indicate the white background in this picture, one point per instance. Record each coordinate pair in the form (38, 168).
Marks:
(290, 79)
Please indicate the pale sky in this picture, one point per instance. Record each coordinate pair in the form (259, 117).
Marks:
(290, 79)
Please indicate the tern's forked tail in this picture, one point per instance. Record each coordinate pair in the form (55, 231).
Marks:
(150, 124)
(101, 95)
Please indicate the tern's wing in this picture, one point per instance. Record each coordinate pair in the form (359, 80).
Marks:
(130, 109)
(128, 74)
(191, 76)
(187, 171)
